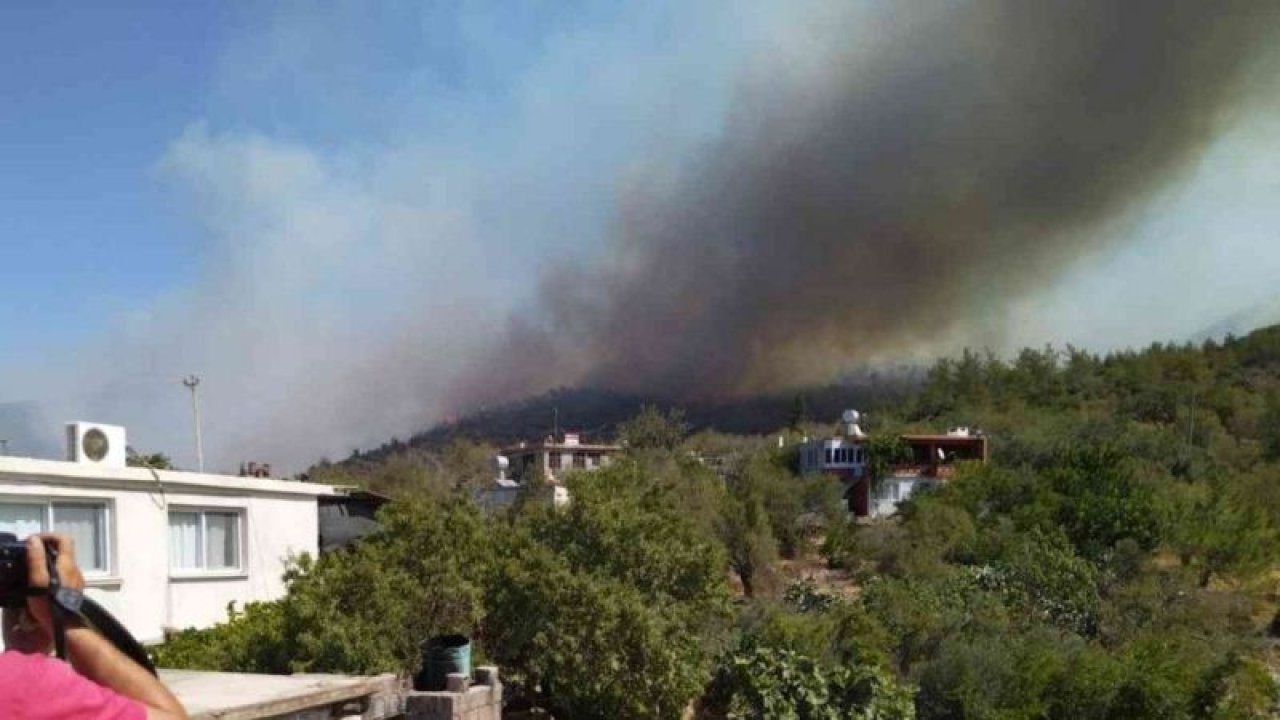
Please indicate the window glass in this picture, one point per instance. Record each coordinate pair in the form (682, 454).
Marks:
(222, 540)
(184, 540)
(87, 525)
(21, 519)
(85, 522)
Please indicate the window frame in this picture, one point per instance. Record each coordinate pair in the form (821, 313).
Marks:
(108, 508)
(240, 570)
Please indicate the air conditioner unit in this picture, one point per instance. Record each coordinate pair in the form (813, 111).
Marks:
(96, 444)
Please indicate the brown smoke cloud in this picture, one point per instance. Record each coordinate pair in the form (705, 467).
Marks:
(886, 180)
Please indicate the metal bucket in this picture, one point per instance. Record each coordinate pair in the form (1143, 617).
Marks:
(442, 655)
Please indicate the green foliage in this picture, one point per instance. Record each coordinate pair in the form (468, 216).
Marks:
(1238, 688)
(884, 451)
(613, 606)
(404, 472)
(765, 683)
(805, 597)
(336, 615)
(651, 429)
(155, 461)
(1222, 534)
(1039, 573)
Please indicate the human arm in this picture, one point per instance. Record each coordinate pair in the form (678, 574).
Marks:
(92, 655)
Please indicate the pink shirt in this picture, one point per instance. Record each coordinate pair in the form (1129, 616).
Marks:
(37, 687)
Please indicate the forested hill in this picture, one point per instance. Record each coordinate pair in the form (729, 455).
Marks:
(1219, 396)
(597, 412)
(1229, 379)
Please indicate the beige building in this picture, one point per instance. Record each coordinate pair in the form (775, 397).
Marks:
(552, 459)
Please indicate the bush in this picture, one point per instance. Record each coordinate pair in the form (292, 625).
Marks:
(611, 607)
(765, 683)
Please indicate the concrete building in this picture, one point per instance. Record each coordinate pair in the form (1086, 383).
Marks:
(932, 461)
(553, 458)
(540, 468)
(161, 549)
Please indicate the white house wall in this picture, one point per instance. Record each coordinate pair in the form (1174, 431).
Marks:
(141, 591)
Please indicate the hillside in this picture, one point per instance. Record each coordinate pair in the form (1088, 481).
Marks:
(597, 412)
(1116, 558)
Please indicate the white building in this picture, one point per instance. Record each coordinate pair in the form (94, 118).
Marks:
(540, 468)
(931, 462)
(161, 549)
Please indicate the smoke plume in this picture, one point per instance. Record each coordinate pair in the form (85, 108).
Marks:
(889, 181)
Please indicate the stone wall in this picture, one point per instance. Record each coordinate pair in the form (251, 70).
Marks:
(460, 700)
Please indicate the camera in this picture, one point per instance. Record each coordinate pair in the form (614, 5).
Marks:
(13, 571)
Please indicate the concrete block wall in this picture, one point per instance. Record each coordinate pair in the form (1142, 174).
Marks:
(462, 699)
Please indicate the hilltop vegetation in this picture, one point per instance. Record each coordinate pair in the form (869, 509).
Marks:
(1117, 559)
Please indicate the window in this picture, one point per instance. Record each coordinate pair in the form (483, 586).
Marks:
(579, 460)
(204, 540)
(829, 456)
(553, 460)
(84, 520)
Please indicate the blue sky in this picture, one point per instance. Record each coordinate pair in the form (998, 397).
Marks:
(92, 97)
(326, 208)
(309, 202)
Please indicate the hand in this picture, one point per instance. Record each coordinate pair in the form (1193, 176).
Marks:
(24, 634)
(38, 574)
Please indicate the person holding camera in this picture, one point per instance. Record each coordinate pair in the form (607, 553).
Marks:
(101, 683)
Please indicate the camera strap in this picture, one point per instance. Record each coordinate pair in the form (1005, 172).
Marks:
(65, 602)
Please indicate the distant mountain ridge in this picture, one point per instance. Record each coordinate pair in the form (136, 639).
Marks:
(597, 412)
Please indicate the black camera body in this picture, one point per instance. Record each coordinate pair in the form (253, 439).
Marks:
(13, 571)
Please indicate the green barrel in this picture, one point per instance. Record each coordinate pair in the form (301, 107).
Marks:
(442, 655)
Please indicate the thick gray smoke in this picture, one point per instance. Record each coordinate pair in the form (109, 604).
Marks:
(888, 181)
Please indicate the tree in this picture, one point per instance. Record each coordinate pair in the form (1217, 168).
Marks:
(1224, 535)
(155, 461)
(799, 414)
(1270, 426)
(651, 429)
(611, 606)
(883, 453)
(744, 530)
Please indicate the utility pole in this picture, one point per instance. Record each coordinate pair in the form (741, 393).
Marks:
(555, 423)
(192, 382)
(1191, 421)
(4, 447)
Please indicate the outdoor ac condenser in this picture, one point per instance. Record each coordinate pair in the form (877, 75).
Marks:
(96, 444)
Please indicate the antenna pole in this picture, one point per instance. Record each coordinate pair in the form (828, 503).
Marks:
(555, 422)
(192, 382)
(4, 447)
